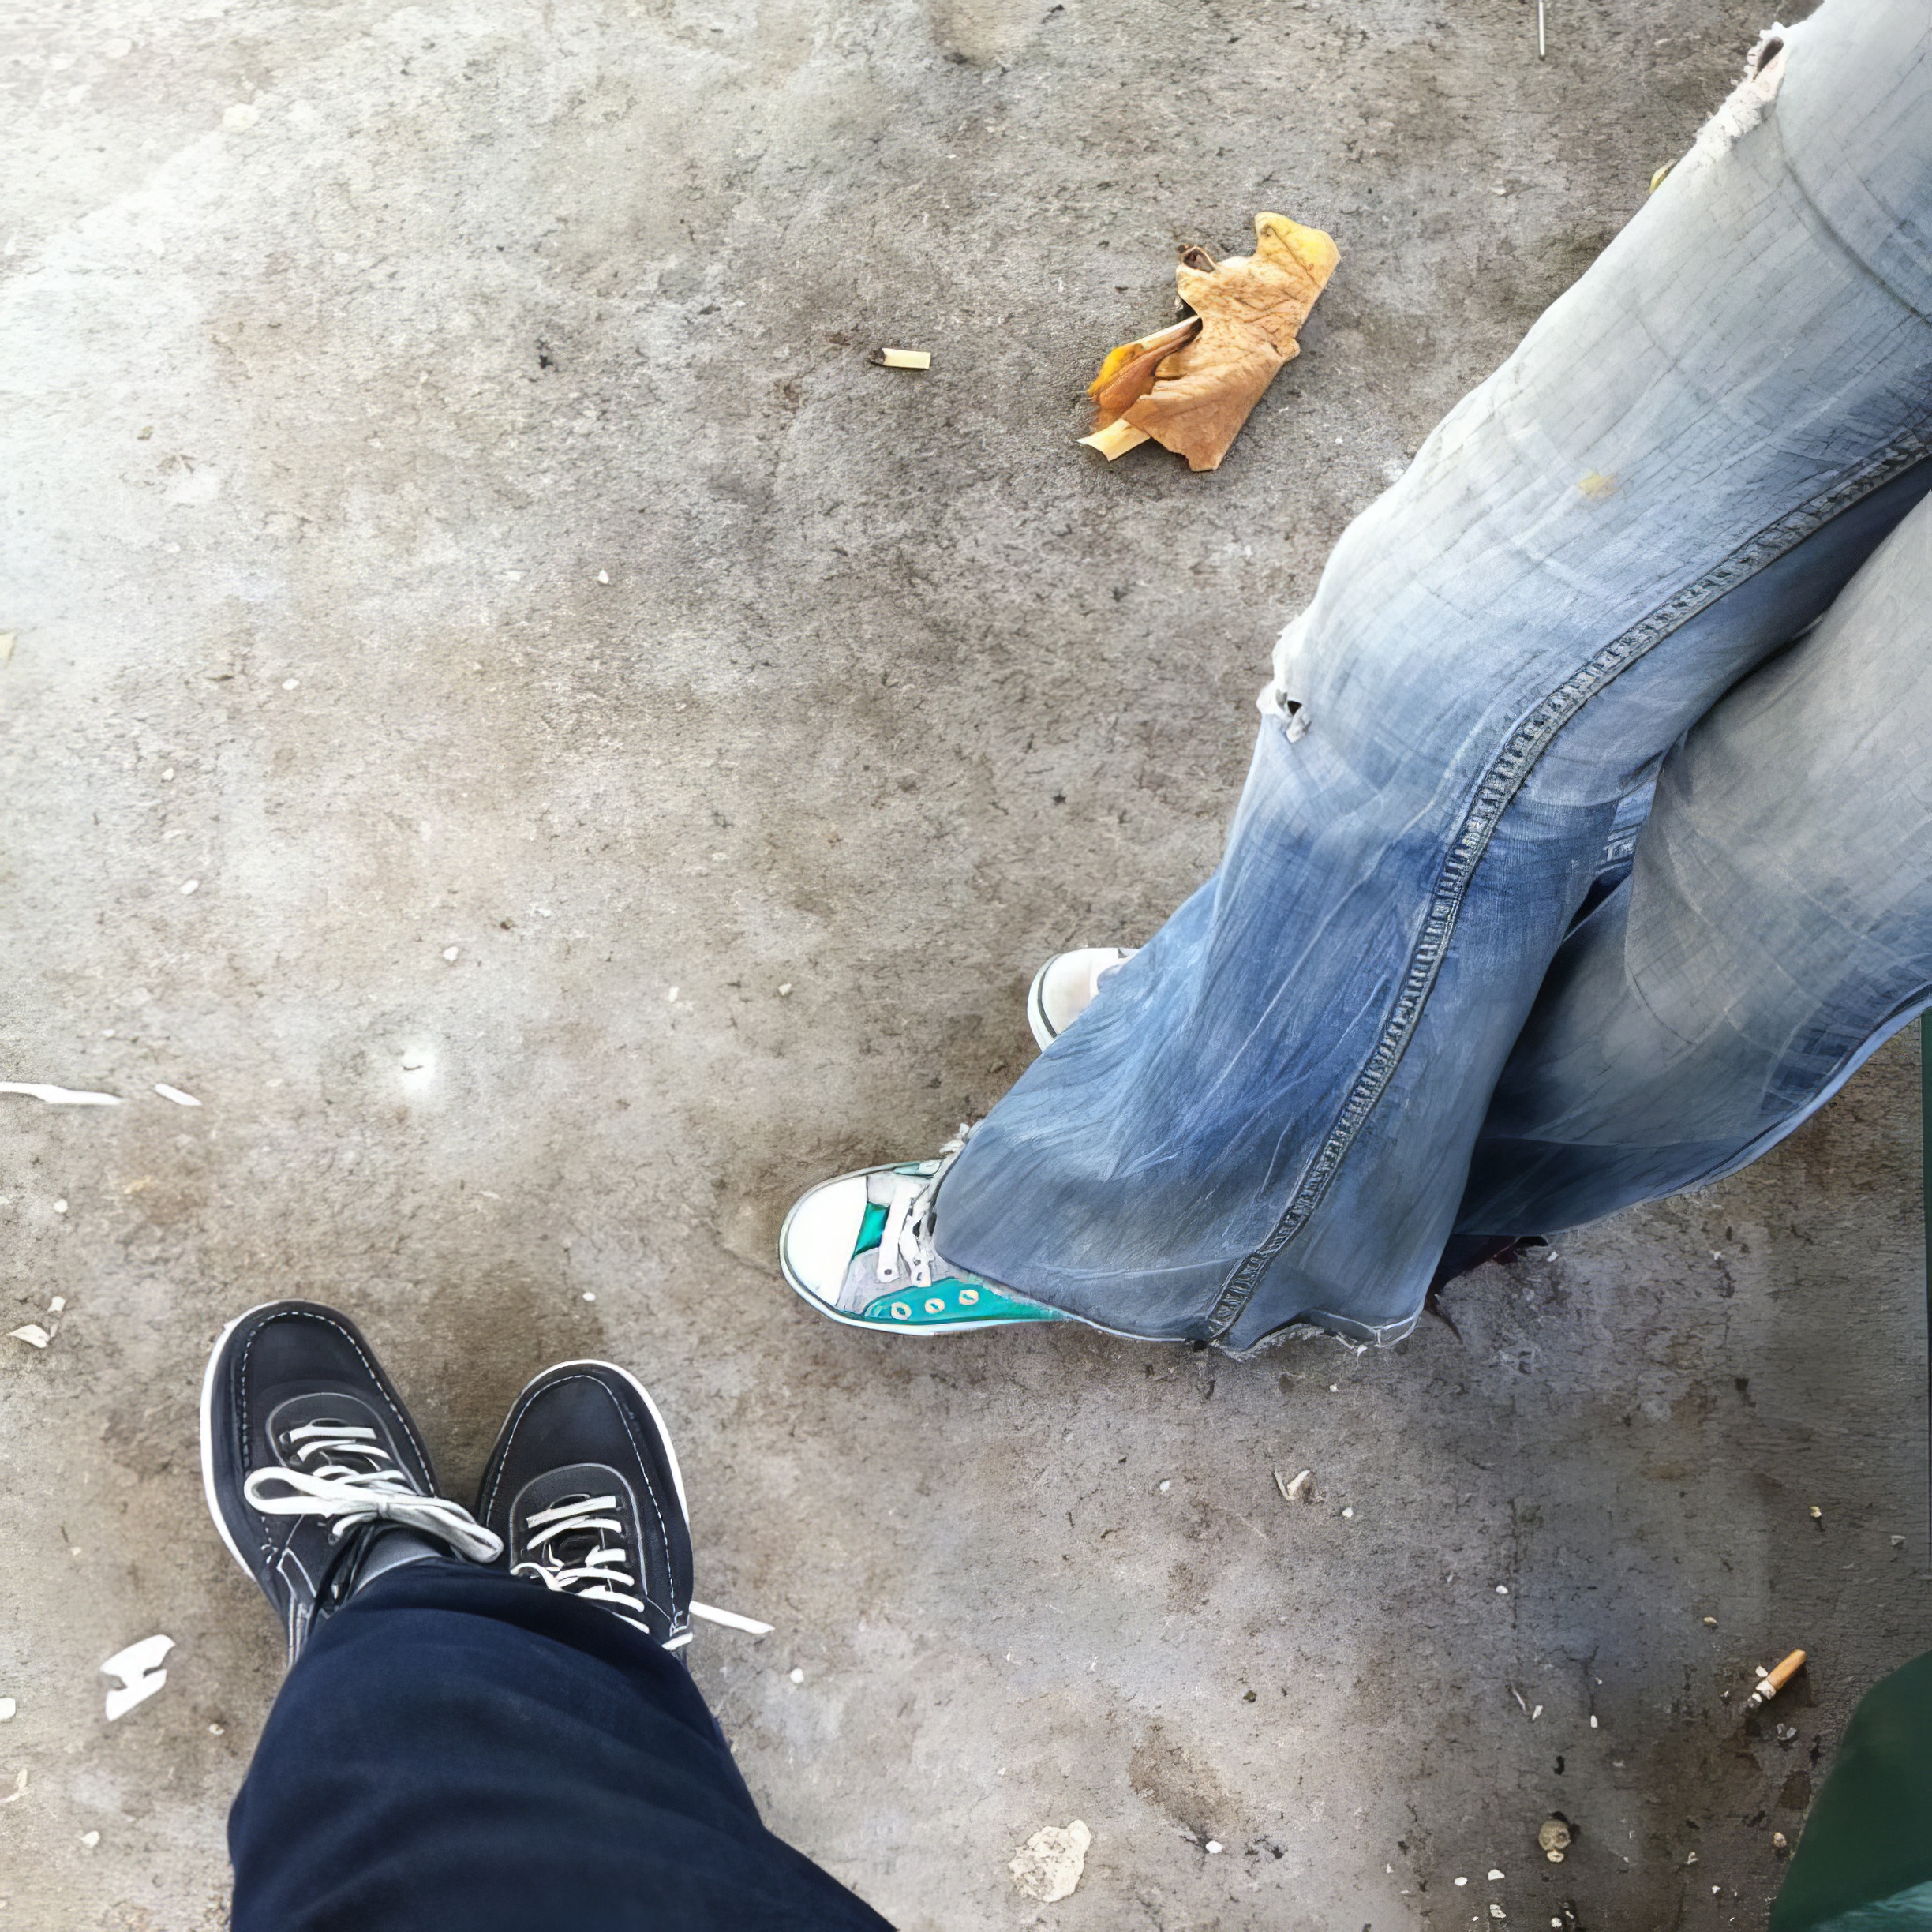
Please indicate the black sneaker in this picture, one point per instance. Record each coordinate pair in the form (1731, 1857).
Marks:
(310, 1461)
(583, 1487)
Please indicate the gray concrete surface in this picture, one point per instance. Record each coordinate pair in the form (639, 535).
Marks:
(447, 506)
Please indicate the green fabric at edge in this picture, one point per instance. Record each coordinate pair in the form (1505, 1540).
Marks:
(1869, 1839)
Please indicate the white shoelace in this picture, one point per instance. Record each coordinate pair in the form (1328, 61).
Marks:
(349, 1475)
(596, 1573)
(907, 1243)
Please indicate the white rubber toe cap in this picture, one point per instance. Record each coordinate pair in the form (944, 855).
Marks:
(1064, 988)
(815, 1248)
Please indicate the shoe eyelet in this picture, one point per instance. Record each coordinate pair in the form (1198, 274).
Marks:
(935, 1306)
(968, 1297)
(900, 1311)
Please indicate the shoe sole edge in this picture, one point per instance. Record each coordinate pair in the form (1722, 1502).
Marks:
(1044, 1032)
(207, 1440)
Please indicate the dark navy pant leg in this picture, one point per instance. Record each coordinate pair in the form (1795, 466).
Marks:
(457, 1749)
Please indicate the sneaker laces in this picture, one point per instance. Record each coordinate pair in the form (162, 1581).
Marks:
(906, 1243)
(596, 1571)
(348, 1474)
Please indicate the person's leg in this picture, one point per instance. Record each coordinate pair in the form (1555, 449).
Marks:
(1776, 928)
(458, 1752)
(478, 1749)
(1267, 1113)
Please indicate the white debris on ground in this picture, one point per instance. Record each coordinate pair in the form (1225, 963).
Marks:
(33, 1334)
(139, 1668)
(176, 1095)
(58, 1096)
(8, 1707)
(1049, 1863)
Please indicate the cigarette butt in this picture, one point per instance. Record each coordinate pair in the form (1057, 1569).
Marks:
(901, 358)
(1773, 1681)
(1116, 440)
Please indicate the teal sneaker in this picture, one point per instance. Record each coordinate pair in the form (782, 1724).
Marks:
(860, 1249)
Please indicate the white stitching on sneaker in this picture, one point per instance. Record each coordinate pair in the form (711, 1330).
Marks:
(404, 1425)
(516, 1422)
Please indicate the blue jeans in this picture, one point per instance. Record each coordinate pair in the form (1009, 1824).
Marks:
(455, 1751)
(1381, 1021)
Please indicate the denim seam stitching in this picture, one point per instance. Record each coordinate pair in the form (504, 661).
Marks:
(1495, 791)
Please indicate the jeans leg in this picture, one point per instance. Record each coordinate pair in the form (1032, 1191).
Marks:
(456, 1751)
(1776, 928)
(1268, 1114)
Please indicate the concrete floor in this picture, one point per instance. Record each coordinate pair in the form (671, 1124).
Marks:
(448, 507)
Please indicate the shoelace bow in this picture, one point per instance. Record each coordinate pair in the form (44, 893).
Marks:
(348, 1474)
(596, 1571)
(906, 1242)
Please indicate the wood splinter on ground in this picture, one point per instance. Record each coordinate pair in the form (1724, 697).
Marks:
(1191, 388)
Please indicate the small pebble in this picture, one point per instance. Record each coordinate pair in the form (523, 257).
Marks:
(450, 952)
(798, 1677)
(603, 576)
(1710, 1623)
(8, 1707)
(1502, 1589)
(1214, 1844)
(784, 992)
(1592, 1720)
(1348, 1512)
(1165, 1487)
(214, 1730)
(90, 1839)
(589, 1296)
(1493, 1875)
(190, 885)
(291, 683)
(1461, 1881)
(60, 1207)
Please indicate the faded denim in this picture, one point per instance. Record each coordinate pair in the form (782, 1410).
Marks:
(1270, 1113)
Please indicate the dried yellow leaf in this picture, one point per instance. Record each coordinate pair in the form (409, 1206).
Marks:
(1191, 388)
